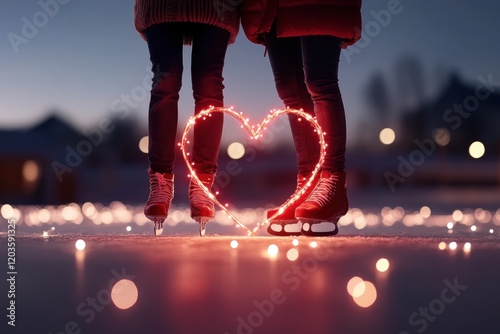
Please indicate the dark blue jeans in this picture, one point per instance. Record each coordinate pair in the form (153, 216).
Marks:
(165, 43)
(306, 75)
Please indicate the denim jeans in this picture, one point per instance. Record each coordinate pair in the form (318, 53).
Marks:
(306, 75)
(165, 43)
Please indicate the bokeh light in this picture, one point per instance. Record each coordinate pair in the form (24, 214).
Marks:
(453, 245)
(441, 136)
(124, 294)
(292, 254)
(476, 149)
(353, 283)
(368, 297)
(272, 250)
(387, 136)
(236, 150)
(442, 245)
(144, 144)
(234, 244)
(382, 265)
(31, 171)
(80, 244)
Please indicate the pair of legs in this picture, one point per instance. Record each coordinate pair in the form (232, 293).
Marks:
(165, 43)
(306, 74)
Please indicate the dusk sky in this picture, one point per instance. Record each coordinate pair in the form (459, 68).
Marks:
(82, 59)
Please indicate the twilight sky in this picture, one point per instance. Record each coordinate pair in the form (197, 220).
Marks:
(85, 57)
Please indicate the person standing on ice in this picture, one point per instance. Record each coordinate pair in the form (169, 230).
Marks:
(304, 39)
(168, 25)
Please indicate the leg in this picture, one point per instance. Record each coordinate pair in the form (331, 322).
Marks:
(286, 62)
(208, 54)
(328, 201)
(321, 60)
(165, 48)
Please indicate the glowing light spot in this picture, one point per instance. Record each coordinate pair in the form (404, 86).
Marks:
(31, 171)
(467, 246)
(457, 215)
(441, 136)
(124, 294)
(7, 211)
(144, 144)
(272, 250)
(387, 136)
(313, 244)
(476, 149)
(80, 244)
(355, 283)
(368, 297)
(425, 212)
(382, 265)
(491, 230)
(473, 228)
(292, 254)
(45, 234)
(234, 244)
(295, 242)
(452, 245)
(129, 228)
(236, 150)
(450, 225)
(442, 245)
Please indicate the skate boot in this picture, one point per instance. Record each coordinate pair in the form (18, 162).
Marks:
(161, 192)
(202, 207)
(278, 225)
(326, 204)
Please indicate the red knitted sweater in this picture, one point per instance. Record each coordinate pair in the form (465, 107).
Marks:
(340, 18)
(220, 13)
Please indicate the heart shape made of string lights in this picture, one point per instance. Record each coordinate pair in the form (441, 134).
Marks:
(255, 133)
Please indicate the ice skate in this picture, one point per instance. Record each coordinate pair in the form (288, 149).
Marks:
(285, 224)
(202, 207)
(328, 202)
(161, 193)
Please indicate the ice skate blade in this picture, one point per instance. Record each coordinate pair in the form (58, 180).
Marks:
(158, 228)
(282, 231)
(203, 224)
(307, 228)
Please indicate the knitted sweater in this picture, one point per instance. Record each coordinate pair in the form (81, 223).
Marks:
(220, 13)
(340, 18)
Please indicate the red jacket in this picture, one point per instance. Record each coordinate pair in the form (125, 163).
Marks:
(340, 18)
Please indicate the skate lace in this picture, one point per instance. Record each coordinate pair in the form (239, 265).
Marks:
(160, 190)
(324, 191)
(197, 196)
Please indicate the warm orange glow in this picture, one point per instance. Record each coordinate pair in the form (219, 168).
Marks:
(441, 136)
(368, 297)
(425, 212)
(124, 294)
(31, 171)
(442, 245)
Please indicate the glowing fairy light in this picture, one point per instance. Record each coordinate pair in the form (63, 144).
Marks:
(442, 245)
(80, 244)
(295, 242)
(450, 225)
(234, 244)
(453, 245)
(313, 244)
(467, 246)
(473, 228)
(491, 230)
(255, 132)
(129, 228)
(457, 215)
(124, 294)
